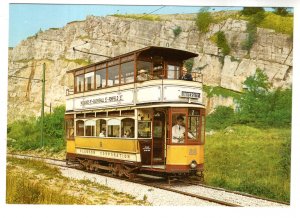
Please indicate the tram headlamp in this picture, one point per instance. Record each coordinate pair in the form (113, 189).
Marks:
(193, 164)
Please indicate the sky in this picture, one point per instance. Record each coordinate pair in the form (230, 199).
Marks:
(24, 23)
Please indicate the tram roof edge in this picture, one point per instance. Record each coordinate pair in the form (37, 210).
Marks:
(151, 50)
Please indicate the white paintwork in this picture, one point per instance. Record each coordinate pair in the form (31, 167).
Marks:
(109, 154)
(166, 91)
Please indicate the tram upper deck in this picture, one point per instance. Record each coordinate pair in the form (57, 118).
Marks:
(147, 76)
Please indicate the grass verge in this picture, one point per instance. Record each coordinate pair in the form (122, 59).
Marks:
(247, 159)
(34, 182)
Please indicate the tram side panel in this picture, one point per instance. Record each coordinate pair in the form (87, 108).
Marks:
(104, 149)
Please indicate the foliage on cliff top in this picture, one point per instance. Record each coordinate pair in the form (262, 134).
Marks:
(281, 24)
(151, 17)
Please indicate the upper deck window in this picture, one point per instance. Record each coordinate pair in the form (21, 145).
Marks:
(173, 72)
(113, 75)
(79, 83)
(89, 81)
(127, 72)
(143, 69)
(100, 78)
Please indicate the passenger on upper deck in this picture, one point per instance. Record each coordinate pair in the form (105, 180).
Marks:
(186, 75)
(143, 75)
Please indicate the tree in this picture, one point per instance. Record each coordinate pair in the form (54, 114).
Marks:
(281, 11)
(251, 10)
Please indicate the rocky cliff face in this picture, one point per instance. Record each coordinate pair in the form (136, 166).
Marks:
(111, 36)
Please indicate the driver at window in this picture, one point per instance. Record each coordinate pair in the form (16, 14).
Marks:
(178, 130)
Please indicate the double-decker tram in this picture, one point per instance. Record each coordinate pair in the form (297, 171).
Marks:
(134, 114)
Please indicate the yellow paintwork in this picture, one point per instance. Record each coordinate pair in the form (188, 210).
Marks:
(70, 146)
(184, 154)
(108, 144)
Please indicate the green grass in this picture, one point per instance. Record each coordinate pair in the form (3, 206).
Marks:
(34, 182)
(220, 91)
(278, 23)
(150, 17)
(247, 159)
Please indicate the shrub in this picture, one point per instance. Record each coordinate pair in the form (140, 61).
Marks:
(281, 11)
(261, 107)
(189, 64)
(25, 134)
(222, 43)
(177, 31)
(221, 118)
(203, 20)
(251, 10)
(278, 23)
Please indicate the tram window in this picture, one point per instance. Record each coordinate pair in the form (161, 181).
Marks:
(79, 83)
(144, 129)
(158, 69)
(70, 129)
(158, 129)
(79, 115)
(113, 75)
(178, 128)
(90, 127)
(194, 125)
(113, 113)
(101, 114)
(79, 128)
(144, 66)
(89, 81)
(90, 115)
(100, 78)
(173, 72)
(113, 128)
(100, 125)
(202, 129)
(127, 128)
(127, 113)
(127, 72)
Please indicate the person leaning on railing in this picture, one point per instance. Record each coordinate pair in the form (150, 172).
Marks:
(186, 75)
(143, 75)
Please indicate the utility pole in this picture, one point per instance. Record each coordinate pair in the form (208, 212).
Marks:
(43, 102)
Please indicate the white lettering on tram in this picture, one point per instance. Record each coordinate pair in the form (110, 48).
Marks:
(102, 100)
(108, 154)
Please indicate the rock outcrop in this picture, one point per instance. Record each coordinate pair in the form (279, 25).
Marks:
(111, 36)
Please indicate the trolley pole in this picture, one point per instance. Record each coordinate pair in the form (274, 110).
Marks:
(43, 102)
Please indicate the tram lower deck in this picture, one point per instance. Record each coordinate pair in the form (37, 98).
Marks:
(162, 139)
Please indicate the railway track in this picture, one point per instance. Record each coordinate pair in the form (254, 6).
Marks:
(184, 187)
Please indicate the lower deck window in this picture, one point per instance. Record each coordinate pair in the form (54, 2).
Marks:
(113, 128)
(144, 129)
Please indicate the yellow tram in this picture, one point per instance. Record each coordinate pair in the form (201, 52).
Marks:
(133, 114)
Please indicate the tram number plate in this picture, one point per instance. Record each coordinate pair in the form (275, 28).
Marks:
(193, 151)
(185, 94)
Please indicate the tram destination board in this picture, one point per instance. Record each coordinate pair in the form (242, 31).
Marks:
(185, 94)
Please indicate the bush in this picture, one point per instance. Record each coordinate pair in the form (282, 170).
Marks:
(252, 10)
(281, 11)
(177, 31)
(261, 107)
(221, 118)
(222, 43)
(25, 134)
(189, 64)
(203, 20)
(278, 23)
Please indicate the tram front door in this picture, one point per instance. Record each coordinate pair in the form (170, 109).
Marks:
(158, 140)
